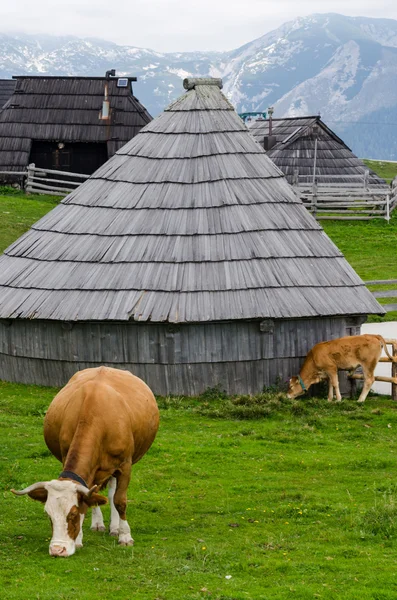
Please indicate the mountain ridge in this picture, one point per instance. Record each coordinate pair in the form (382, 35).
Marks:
(342, 67)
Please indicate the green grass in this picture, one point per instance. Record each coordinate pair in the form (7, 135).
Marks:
(18, 212)
(292, 499)
(369, 246)
(386, 170)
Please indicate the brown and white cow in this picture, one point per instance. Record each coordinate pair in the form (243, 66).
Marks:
(100, 424)
(346, 353)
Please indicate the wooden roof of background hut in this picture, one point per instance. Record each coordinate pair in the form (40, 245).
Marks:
(7, 87)
(189, 221)
(67, 110)
(294, 149)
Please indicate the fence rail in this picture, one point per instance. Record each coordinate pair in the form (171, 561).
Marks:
(47, 181)
(347, 197)
(392, 379)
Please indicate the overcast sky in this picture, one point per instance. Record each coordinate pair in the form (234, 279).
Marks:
(172, 25)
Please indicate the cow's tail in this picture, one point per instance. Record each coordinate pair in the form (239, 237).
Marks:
(383, 343)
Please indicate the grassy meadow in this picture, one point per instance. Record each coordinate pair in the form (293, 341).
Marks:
(19, 211)
(245, 498)
(239, 498)
(385, 169)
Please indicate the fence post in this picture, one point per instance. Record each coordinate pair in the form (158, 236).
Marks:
(29, 180)
(366, 178)
(388, 208)
(314, 199)
(295, 177)
(394, 374)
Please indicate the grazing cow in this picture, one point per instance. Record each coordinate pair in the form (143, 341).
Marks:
(325, 358)
(99, 425)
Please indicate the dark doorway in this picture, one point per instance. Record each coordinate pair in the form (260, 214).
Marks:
(74, 157)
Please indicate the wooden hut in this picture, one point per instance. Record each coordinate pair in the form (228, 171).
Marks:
(186, 258)
(7, 87)
(68, 123)
(307, 147)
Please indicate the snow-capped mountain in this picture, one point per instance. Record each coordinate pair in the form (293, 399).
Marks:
(344, 68)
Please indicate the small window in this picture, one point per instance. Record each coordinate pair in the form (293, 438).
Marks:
(122, 82)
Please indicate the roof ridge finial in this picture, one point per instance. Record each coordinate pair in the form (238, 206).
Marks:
(191, 82)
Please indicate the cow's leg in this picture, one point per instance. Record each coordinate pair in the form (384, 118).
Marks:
(333, 377)
(330, 390)
(79, 539)
(114, 515)
(97, 523)
(120, 502)
(369, 378)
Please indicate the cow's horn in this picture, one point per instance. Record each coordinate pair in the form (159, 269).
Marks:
(30, 488)
(87, 492)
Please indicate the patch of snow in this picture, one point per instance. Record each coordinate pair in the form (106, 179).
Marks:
(215, 72)
(180, 72)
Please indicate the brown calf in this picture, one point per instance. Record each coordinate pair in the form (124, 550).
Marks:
(347, 353)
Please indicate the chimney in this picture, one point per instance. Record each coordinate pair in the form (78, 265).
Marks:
(269, 141)
(270, 112)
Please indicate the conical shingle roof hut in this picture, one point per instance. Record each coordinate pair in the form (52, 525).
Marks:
(186, 258)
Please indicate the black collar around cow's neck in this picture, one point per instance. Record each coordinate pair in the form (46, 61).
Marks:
(74, 476)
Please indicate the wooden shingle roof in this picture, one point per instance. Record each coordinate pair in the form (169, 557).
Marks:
(294, 149)
(7, 87)
(66, 109)
(188, 222)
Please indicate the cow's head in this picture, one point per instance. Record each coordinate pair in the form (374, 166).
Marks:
(65, 502)
(295, 387)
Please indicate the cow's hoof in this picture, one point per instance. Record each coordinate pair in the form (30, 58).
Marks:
(129, 542)
(98, 528)
(114, 532)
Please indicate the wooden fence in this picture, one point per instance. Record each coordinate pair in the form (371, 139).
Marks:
(45, 181)
(389, 291)
(347, 197)
(56, 183)
(392, 379)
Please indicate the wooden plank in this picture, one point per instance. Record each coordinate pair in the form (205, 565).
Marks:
(44, 186)
(337, 218)
(377, 378)
(385, 294)
(79, 175)
(342, 213)
(389, 307)
(337, 204)
(381, 282)
(394, 374)
(40, 179)
(13, 173)
(347, 176)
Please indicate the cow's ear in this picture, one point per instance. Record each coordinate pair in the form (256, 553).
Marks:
(40, 494)
(95, 500)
